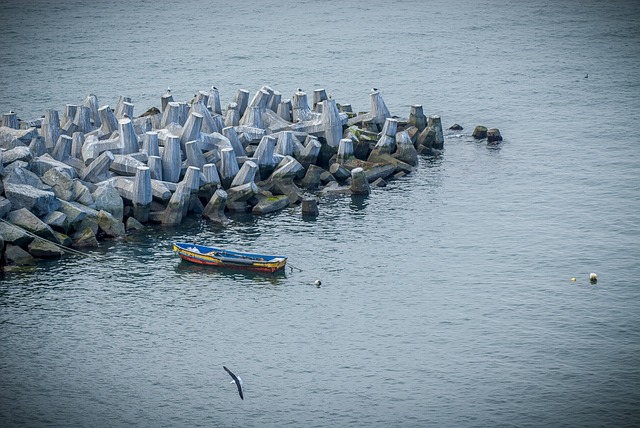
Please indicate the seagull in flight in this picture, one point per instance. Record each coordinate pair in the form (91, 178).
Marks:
(236, 379)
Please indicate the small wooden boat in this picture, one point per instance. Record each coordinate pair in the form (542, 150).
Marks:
(212, 256)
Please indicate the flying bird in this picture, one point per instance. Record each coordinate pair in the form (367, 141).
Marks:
(236, 379)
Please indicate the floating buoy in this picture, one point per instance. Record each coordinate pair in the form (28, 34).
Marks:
(573, 280)
(593, 278)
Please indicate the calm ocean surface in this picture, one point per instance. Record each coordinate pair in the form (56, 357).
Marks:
(446, 298)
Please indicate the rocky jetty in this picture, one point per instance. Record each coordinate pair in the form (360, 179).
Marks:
(93, 172)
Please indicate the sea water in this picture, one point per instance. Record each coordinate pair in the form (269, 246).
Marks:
(446, 297)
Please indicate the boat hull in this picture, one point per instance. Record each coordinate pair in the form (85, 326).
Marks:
(230, 259)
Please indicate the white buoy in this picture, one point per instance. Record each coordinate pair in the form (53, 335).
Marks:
(593, 278)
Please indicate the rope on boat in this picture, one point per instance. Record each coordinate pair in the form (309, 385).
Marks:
(62, 247)
(292, 267)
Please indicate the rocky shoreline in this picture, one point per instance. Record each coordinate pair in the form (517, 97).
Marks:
(98, 173)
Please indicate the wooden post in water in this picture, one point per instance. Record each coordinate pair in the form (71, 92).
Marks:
(359, 182)
(171, 159)
(128, 137)
(142, 195)
(228, 166)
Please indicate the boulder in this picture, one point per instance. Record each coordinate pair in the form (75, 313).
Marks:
(270, 204)
(76, 213)
(39, 202)
(5, 206)
(110, 225)
(83, 195)
(19, 153)
(63, 239)
(61, 183)
(309, 207)
(44, 249)
(16, 174)
(29, 222)
(44, 163)
(493, 136)
(16, 256)
(133, 224)
(14, 235)
(107, 198)
(24, 136)
(57, 221)
(480, 132)
(85, 238)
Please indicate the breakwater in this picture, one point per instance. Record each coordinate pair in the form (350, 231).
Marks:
(94, 172)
